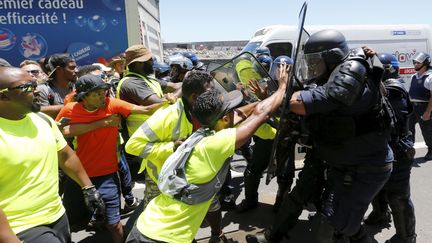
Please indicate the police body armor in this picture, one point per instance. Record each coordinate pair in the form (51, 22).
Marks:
(346, 84)
(399, 142)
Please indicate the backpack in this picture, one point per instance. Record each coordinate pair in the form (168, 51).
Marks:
(172, 179)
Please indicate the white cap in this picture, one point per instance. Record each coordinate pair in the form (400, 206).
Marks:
(103, 67)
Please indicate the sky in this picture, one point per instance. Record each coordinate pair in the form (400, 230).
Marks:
(221, 20)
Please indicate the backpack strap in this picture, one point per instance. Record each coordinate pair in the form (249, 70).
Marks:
(172, 177)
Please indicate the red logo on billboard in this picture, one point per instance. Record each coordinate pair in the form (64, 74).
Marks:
(405, 71)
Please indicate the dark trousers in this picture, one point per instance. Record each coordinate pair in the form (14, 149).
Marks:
(135, 236)
(57, 232)
(125, 176)
(397, 194)
(258, 162)
(348, 195)
(308, 189)
(425, 126)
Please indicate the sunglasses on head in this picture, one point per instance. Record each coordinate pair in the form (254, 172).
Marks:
(26, 87)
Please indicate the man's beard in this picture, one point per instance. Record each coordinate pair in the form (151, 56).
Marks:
(418, 68)
(148, 68)
(35, 107)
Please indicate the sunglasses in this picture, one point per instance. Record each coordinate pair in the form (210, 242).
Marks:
(27, 87)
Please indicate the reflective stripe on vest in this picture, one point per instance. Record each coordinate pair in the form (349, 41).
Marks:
(151, 135)
(153, 169)
(133, 121)
(153, 84)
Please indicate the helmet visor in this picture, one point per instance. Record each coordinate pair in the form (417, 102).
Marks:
(311, 66)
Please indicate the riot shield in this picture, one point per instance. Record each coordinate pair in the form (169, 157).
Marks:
(237, 72)
(288, 127)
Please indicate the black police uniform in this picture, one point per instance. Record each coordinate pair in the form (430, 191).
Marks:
(256, 164)
(349, 135)
(396, 192)
(348, 127)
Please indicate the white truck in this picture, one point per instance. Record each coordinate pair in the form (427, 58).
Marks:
(403, 41)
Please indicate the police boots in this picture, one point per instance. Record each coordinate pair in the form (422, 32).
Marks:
(404, 222)
(398, 239)
(282, 189)
(263, 237)
(251, 183)
(378, 218)
(380, 214)
(361, 237)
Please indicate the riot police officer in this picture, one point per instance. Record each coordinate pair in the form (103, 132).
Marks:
(397, 189)
(259, 160)
(262, 51)
(197, 64)
(179, 66)
(349, 131)
(161, 69)
(420, 93)
(265, 61)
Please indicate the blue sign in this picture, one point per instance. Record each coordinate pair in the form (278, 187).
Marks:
(399, 32)
(90, 30)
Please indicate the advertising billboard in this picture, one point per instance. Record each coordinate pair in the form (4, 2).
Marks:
(90, 30)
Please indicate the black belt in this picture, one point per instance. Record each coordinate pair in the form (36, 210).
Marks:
(365, 168)
(416, 103)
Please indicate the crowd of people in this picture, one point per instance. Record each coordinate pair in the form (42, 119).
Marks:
(72, 138)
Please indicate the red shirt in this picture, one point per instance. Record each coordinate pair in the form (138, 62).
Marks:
(97, 149)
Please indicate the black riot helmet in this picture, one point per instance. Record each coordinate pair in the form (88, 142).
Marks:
(390, 64)
(323, 51)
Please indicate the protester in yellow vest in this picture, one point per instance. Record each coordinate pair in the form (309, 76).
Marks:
(31, 151)
(161, 134)
(139, 87)
(167, 219)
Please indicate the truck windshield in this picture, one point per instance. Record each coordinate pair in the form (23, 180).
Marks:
(251, 47)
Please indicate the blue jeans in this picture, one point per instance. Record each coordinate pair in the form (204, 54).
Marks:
(109, 188)
(125, 178)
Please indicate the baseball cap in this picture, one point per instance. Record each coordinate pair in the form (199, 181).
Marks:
(137, 53)
(88, 83)
(230, 101)
(103, 67)
(58, 60)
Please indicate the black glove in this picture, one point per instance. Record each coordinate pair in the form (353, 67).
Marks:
(93, 199)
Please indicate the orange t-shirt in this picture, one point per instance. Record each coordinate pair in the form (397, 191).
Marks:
(97, 149)
(69, 97)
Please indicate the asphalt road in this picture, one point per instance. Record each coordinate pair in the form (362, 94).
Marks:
(236, 226)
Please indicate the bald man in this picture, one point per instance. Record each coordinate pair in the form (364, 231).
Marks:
(31, 150)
